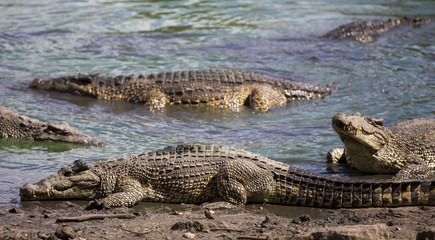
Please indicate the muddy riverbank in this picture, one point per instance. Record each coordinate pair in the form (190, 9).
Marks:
(69, 220)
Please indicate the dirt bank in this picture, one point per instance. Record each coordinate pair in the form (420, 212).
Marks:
(69, 220)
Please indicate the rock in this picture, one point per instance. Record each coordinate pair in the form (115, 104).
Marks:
(209, 214)
(42, 235)
(265, 221)
(65, 233)
(15, 210)
(354, 232)
(189, 235)
(426, 234)
(302, 218)
(197, 226)
(305, 218)
(5, 210)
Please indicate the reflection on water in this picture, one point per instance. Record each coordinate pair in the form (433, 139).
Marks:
(15, 144)
(391, 78)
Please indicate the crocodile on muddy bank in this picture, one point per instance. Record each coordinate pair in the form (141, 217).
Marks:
(219, 88)
(197, 174)
(406, 149)
(18, 126)
(365, 31)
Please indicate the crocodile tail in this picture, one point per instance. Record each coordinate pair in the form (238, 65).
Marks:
(378, 193)
(314, 190)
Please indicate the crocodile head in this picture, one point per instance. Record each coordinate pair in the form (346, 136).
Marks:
(416, 21)
(77, 84)
(362, 129)
(75, 181)
(63, 132)
(24, 127)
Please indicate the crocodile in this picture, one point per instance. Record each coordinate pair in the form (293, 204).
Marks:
(220, 88)
(364, 31)
(406, 149)
(19, 126)
(205, 173)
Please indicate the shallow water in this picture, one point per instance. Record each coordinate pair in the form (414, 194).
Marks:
(392, 78)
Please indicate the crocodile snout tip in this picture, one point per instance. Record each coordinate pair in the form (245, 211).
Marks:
(28, 192)
(36, 82)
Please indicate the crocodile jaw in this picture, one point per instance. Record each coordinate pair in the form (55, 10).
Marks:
(77, 85)
(65, 133)
(59, 186)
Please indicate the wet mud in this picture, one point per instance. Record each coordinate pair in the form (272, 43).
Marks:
(70, 220)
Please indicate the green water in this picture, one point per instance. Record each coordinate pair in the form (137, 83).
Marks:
(392, 78)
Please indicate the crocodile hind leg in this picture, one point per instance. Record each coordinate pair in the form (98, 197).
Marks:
(364, 38)
(232, 191)
(241, 181)
(156, 99)
(152, 98)
(263, 98)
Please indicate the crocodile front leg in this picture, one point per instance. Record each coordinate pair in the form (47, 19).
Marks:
(263, 98)
(336, 155)
(128, 193)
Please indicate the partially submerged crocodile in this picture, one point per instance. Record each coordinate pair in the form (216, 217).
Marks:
(197, 174)
(364, 31)
(17, 126)
(406, 149)
(220, 88)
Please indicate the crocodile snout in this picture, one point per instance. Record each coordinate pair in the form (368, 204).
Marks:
(339, 124)
(28, 192)
(340, 121)
(36, 83)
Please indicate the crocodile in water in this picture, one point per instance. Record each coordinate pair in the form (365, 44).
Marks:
(364, 31)
(220, 88)
(197, 174)
(406, 149)
(18, 126)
